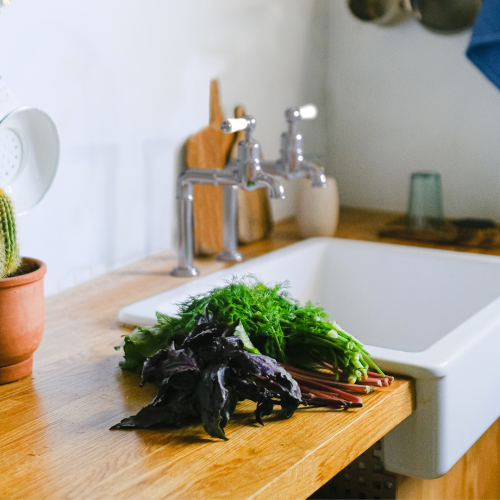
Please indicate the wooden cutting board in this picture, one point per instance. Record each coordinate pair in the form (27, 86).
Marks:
(209, 148)
(254, 210)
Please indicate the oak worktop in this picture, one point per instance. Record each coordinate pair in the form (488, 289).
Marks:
(55, 440)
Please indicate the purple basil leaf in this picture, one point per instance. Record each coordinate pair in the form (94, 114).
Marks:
(165, 394)
(179, 361)
(206, 377)
(150, 416)
(227, 347)
(152, 369)
(202, 335)
(165, 364)
(267, 367)
(248, 389)
(174, 412)
(263, 409)
(279, 380)
(214, 402)
(218, 349)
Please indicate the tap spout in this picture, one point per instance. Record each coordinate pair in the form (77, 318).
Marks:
(315, 173)
(273, 185)
(304, 169)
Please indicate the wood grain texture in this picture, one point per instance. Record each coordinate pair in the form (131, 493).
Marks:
(475, 476)
(55, 440)
(364, 224)
(209, 148)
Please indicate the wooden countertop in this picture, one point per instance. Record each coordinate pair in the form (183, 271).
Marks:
(55, 440)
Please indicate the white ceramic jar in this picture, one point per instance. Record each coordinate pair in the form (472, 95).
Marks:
(316, 209)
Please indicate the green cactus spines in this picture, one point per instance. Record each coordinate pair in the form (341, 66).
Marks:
(9, 249)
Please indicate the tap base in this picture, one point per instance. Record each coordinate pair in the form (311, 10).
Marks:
(229, 256)
(184, 272)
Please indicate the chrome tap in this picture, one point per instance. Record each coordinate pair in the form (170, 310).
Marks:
(291, 165)
(244, 172)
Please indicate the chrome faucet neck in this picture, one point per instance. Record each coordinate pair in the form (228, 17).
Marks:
(245, 173)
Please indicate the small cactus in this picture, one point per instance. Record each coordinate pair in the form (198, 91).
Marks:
(9, 249)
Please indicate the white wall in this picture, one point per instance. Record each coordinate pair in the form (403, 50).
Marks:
(126, 83)
(402, 99)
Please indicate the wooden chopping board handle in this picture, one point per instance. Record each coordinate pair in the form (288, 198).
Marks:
(209, 148)
(216, 115)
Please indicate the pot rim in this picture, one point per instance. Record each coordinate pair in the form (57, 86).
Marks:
(24, 279)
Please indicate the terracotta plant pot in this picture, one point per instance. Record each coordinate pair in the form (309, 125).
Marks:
(22, 319)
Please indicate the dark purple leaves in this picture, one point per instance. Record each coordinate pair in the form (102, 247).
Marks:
(215, 401)
(273, 377)
(206, 378)
(164, 364)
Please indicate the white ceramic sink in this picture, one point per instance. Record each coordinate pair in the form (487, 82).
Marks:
(429, 314)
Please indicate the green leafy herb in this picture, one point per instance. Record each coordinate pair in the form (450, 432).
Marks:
(273, 323)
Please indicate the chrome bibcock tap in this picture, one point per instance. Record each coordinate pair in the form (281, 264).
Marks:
(291, 165)
(244, 172)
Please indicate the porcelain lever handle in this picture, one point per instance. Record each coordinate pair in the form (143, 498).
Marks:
(233, 125)
(308, 112)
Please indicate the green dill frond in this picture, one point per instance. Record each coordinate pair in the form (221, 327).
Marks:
(276, 324)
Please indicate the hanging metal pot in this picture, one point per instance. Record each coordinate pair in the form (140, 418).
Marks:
(448, 16)
(443, 16)
(382, 12)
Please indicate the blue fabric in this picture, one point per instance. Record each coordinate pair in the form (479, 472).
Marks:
(484, 46)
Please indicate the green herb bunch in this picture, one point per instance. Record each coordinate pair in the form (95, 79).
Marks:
(275, 323)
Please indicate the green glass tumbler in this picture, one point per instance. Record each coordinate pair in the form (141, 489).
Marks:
(425, 201)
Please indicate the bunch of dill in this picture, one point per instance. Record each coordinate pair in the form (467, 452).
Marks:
(275, 323)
